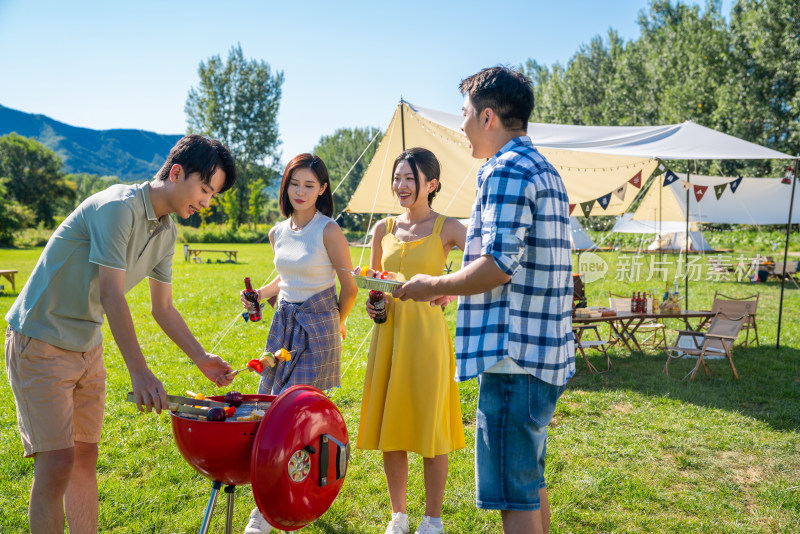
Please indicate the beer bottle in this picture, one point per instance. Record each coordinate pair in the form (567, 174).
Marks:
(254, 309)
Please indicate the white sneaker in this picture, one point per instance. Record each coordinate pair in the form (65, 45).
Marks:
(426, 527)
(257, 524)
(398, 525)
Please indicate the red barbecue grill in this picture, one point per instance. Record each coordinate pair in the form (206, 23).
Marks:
(295, 458)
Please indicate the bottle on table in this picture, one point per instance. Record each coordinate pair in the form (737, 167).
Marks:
(254, 308)
(378, 301)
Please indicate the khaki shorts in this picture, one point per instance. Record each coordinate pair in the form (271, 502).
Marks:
(60, 394)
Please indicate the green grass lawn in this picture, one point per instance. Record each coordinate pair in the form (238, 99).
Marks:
(631, 450)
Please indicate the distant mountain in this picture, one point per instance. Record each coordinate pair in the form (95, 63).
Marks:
(128, 154)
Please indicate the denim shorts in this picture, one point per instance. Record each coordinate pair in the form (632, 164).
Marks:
(511, 439)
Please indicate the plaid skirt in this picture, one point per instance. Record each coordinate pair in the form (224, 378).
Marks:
(310, 331)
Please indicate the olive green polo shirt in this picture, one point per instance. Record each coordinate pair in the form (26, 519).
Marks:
(117, 228)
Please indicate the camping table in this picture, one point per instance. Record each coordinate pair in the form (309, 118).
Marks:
(10, 274)
(194, 253)
(625, 324)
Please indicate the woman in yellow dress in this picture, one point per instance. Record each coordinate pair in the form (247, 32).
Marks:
(411, 401)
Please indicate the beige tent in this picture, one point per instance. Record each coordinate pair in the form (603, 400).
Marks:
(587, 176)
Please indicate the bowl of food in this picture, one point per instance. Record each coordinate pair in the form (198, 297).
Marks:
(387, 286)
(386, 281)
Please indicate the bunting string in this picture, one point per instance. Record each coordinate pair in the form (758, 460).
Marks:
(700, 190)
(605, 200)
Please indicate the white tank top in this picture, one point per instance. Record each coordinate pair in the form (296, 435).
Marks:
(301, 259)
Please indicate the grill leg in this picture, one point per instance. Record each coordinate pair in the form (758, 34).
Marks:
(229, 512)
(212, 502)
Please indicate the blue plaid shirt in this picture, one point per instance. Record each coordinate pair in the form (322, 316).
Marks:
(520, 219)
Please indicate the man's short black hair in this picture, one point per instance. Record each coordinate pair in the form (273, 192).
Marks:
(199, 154)
(507, 91)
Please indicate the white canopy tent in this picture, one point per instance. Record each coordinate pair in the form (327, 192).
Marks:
(627, 225)
(578, 238)
(673, 141)
(676, 242)
(756, 201)
(670, 236)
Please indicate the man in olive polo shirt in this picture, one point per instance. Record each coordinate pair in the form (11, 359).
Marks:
(53, 346)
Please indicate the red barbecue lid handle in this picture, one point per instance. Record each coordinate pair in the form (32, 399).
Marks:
(299, 458)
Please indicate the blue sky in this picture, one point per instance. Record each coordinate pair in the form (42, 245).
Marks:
(107, 64)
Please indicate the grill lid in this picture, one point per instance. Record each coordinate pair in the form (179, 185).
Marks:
(299, 459)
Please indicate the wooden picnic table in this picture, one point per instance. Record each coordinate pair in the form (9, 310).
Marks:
(10, 275)
(194, 253)
(625, 324)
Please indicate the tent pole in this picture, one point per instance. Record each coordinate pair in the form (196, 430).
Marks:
(402, 125)
(786, 254)
(686, 253)
(660, 243)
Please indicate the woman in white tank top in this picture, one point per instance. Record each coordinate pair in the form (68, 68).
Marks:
(310, 252)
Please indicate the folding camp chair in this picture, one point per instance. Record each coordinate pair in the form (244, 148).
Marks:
(791, 271)
(580, 344)
(716, 266)
(736, 306)
(649, 327)
(717, 341)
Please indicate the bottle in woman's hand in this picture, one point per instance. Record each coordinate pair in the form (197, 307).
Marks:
(378, 301)
(254, 308)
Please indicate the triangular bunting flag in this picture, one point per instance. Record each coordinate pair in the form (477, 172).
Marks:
(571, 207)
(620, 192)
(660, 169)
(636, 181)
(719, 189)
(735, 184)
(586, 207)
(699, 191)
(604, 200)
(670, 177)
(685, 185)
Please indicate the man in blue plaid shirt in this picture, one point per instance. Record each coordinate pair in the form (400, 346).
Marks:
(514, 326)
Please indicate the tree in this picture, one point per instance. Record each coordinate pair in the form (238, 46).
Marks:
(237, 103)
(340, 151)
(688, 64)
(764, 95)
(258, 202)
(229, 202)
(86, 185)
(34, 177)
(13, 216)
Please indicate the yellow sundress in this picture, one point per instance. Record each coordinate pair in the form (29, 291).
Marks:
(411, 400)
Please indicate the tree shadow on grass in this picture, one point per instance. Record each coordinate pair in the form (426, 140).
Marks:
(768, 388)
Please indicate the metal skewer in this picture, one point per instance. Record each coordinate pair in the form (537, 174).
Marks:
(179, 404)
